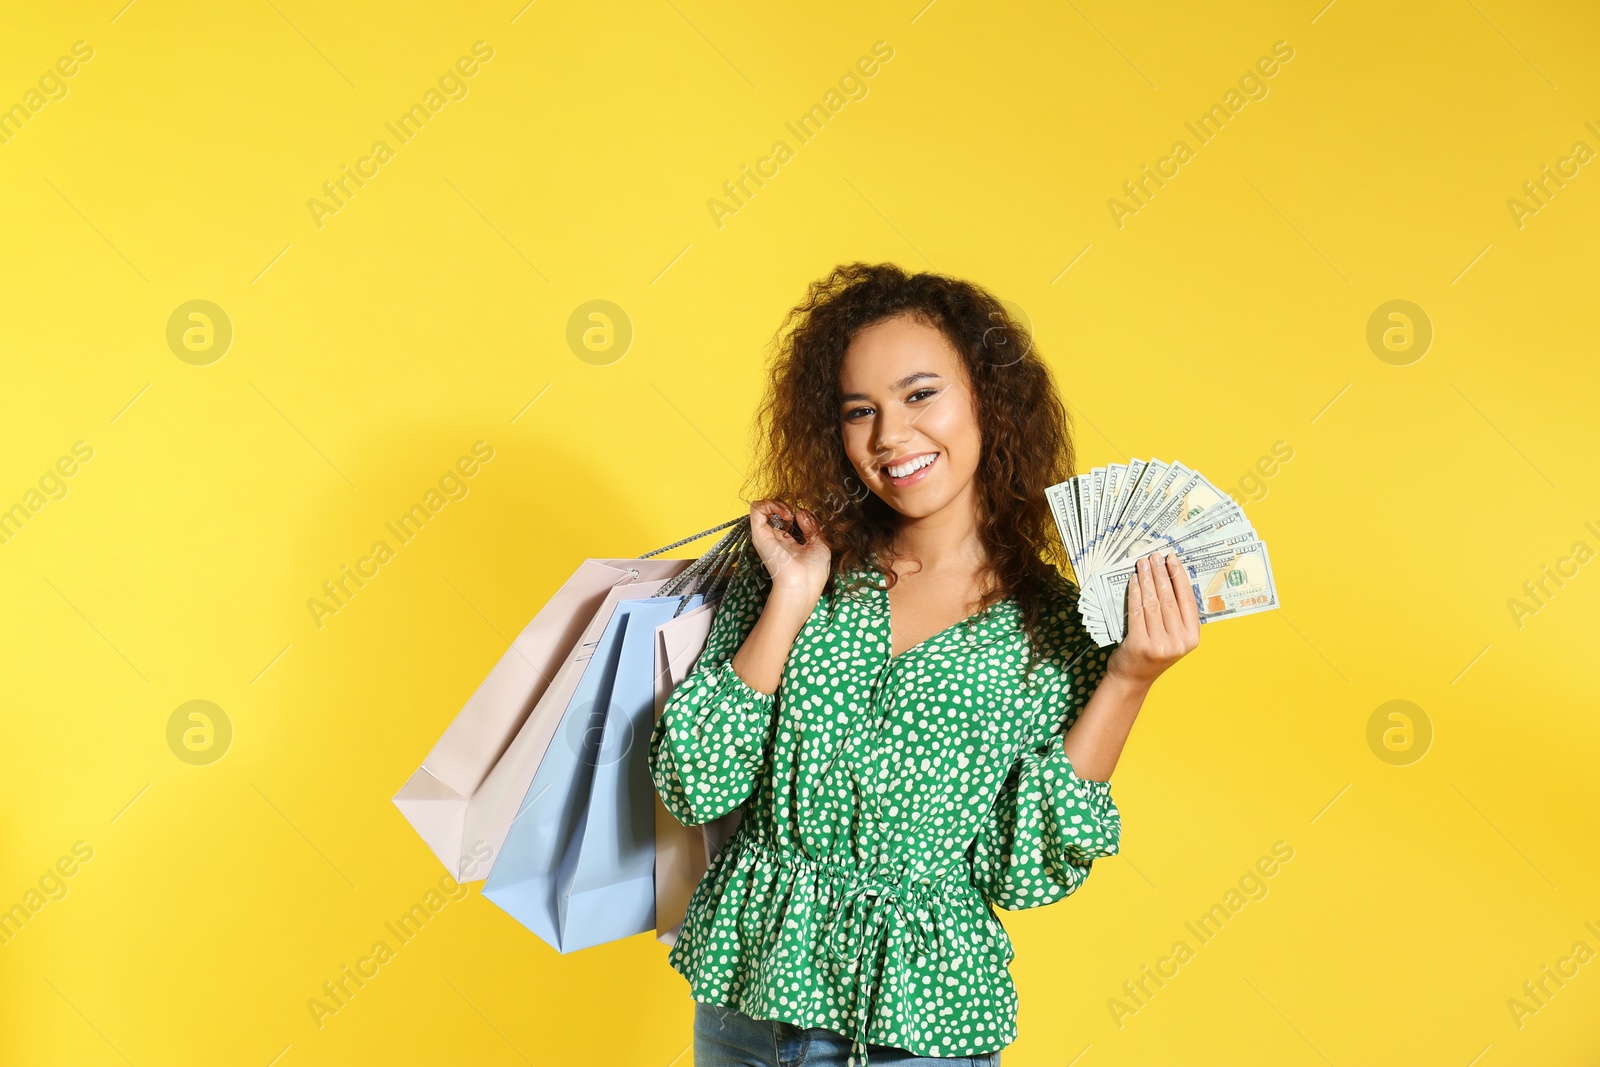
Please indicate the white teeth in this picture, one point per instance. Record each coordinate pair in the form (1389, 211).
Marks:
(915, 465)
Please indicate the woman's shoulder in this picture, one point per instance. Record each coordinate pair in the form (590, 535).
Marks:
(1071, 664)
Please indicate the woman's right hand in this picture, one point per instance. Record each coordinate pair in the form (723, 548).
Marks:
(799, 571)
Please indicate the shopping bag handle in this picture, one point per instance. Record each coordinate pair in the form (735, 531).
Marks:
(711, 573)
(696, 537)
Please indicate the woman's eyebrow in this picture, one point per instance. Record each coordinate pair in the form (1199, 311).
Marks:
(895, 387)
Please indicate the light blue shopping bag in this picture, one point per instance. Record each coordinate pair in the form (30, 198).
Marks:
(578, 867)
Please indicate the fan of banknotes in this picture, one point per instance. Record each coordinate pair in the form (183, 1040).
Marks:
(1110, 516)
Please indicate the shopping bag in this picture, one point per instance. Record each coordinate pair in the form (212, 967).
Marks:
(497, 800)
(499, 796)
(683, 853)
(577, 867)
(439, 798)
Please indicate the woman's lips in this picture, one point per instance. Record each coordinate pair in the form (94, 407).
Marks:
(915, 476)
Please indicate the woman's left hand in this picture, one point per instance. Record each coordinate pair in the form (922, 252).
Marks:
(1163, 621)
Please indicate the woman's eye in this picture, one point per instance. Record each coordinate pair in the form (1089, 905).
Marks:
(854, 412)
(919, 392)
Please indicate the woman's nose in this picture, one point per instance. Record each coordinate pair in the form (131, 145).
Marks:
(889, 432)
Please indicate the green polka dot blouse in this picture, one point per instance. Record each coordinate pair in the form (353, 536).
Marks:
(888, 804)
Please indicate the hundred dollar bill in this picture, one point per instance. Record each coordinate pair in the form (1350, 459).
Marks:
(1085, 494)
(1153, 491)
(1235, 580)
(1220, 522)
(1146, 532)
(1111, 516)
(1141, 474)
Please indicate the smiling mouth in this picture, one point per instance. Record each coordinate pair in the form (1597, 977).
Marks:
(923, 464)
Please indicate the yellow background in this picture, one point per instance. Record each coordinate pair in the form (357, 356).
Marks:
(431, 311)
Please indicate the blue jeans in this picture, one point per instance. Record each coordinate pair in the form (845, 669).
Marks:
(724, 1037)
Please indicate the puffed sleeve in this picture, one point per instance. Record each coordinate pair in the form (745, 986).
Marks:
(1047, 825)
(713, 733)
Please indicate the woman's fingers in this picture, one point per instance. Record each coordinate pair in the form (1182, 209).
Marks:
(1163, 619)
(1136, 630)
(1171, 614)
(811, 526)
(762, 514)
(1152, 602)
(761, 529)
(1190, 611)
(775, 548)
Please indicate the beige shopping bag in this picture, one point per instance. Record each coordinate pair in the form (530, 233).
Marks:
(683, 853)
(504, 794)
(455, 788)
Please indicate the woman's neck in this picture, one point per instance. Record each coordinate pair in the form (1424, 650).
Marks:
(945, 542)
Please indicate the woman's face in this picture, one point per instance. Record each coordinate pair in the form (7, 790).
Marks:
(904, 396)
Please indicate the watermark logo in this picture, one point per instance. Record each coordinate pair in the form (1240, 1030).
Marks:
(1001, 347)
(52, 485)
(1542, 189)
(599, 332)
(1399, 733)
(1538, 592)
(52, 86)
(338, 192)
(738, 192)
(1252, 486)
(51, 886)
(340, 990)
(1538, 992)
(199, 332)
(1252, 86)
(1137, 993)
(338, 592)
(1399, 333)
(199, 733)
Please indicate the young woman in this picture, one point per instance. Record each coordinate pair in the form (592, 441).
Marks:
(902, 701)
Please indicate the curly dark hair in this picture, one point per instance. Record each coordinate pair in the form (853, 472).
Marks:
(1025, 427)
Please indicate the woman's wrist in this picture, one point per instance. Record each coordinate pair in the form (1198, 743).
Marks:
(760, 660)
(1124, 688)
(1094, 742)
(788, 604)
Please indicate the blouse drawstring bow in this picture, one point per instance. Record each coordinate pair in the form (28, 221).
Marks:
(863, 922)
